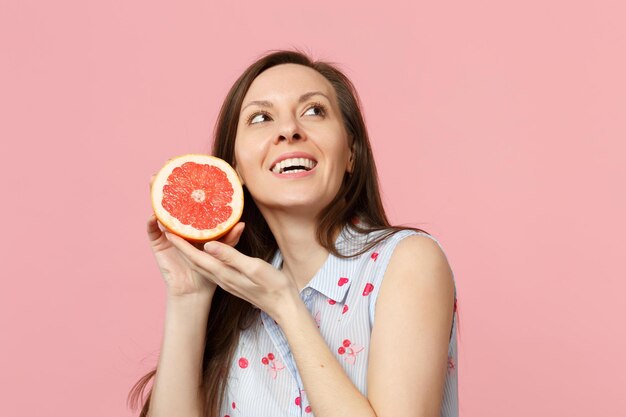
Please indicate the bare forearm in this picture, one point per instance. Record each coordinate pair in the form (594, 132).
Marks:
(176, 389)
(329, 390)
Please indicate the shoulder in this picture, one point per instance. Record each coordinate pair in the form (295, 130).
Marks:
(420, 259)
(421, 252)
(409, 246)
(418, 268)
(410, 266)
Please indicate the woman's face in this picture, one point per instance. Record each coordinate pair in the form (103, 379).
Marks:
(291, 149)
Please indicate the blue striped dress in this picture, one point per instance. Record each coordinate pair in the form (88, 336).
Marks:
(264, 380)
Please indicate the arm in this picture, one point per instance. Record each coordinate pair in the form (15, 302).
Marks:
(329, 390)
(414, 310)
(176, 390)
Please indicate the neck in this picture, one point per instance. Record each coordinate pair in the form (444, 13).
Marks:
(302, 254)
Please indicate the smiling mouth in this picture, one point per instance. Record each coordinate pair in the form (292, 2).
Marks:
(293, 165)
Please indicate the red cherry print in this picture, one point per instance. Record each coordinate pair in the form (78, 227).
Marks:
(356, 220)
(347, 343)
(307, 409)
(341, 350)
(450, 364)
(345, 309)
(374, 256)
(298, 401)
(243, 363)
(270, 356)
(368, 289)
(234, 405)
(332, 302)
(227, 415)
(265, 360)
(342, 281)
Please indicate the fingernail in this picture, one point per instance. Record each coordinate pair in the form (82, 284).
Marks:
(211, 247)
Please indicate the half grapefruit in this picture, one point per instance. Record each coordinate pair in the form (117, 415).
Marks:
(197, 197)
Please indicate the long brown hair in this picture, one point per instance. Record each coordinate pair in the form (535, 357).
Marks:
(358, 198)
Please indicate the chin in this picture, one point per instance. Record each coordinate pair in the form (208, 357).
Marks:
(308, 204)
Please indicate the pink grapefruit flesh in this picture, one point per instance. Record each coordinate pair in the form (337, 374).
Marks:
(198, 197)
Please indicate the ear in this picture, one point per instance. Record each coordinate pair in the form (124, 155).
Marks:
(350, 168)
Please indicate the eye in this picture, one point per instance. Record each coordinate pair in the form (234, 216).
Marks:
(258, 117)
(316, 109)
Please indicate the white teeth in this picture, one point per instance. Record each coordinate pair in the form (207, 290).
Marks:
(303, 162)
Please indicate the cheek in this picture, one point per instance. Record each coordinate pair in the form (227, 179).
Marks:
(240, 159)
(240, 164)
(342, 157)
(248, 156)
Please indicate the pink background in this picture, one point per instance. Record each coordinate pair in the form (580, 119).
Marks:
(498, 127)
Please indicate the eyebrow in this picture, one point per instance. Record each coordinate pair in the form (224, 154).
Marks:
(304, 97)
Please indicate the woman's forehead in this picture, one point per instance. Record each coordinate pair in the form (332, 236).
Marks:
(285, 80)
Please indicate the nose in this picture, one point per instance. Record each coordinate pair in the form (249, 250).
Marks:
(289, 131)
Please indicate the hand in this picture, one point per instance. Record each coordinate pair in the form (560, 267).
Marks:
(251, 279)
(181, 275)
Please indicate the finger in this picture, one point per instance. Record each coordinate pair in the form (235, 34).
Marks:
(154, 232)
(232, 237)
(190, 253)
(161, 227)
(253, 268)
(224, 276)
(185, 247)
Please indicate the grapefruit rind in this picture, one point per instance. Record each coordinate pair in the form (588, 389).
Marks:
(176, 226)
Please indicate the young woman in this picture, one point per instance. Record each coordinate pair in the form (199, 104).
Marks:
(313, 304)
